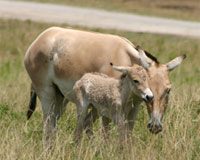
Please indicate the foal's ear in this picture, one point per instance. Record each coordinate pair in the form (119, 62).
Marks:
(175, 62)
(122, 69)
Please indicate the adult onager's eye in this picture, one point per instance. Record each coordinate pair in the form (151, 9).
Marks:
(166, 93)
(168, 90)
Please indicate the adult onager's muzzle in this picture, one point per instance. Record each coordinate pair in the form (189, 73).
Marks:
(154, 125)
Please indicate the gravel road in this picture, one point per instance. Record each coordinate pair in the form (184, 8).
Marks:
(88, 17)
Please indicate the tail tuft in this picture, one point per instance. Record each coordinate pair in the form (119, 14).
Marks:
(32, 104)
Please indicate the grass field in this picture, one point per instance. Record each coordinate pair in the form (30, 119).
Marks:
(179, 9)
(19, 139)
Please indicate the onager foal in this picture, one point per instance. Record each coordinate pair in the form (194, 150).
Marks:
(110, 96)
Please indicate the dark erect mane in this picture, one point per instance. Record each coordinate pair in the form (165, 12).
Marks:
(151, 57)
(147, 54)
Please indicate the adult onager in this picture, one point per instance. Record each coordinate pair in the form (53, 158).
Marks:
(59, 57)
(110, 96)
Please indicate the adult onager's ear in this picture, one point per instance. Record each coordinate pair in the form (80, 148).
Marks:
(122, 69)
(175, 62)
(144, 60)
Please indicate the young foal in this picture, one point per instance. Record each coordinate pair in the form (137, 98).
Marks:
(110, 96)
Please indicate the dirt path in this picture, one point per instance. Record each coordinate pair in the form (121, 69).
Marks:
(96, 18)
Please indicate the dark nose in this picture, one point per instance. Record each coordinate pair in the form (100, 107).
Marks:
(154, 128)
(149, 98)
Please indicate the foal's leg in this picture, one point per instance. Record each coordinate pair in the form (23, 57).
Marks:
(82, 107)
(106, 127)
(91, 117)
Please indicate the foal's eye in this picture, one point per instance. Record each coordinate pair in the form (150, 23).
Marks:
(136, 81)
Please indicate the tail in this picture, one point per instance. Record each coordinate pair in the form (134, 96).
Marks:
(32, 103)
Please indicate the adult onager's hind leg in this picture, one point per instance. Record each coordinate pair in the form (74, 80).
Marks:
(52, 106)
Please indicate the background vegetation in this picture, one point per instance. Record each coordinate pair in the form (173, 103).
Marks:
(179, 9)
(22, 140)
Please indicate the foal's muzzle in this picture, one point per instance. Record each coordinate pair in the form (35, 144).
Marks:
(148, 95)
(148, 98)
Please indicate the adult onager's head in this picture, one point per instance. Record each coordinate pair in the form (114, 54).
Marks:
(160, 85)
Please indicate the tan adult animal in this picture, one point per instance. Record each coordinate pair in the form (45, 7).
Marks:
(59, 57)
(110, 96)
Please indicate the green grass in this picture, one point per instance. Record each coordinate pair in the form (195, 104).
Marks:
(178, 9)
(22, 140)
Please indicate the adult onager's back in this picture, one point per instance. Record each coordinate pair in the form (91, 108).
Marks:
(59, 57)
(110, 96)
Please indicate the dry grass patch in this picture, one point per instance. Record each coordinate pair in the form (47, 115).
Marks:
(23, 140)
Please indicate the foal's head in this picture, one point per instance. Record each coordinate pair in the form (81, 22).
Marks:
(138, 78)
